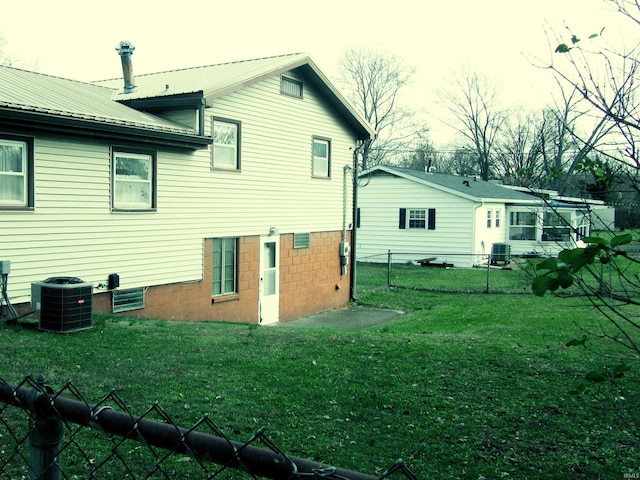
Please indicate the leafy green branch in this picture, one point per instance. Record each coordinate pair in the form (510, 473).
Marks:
(612, 301)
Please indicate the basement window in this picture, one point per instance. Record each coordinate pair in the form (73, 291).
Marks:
(301, 240)
(125, 300)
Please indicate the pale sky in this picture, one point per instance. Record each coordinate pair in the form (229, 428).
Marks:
(497, 38)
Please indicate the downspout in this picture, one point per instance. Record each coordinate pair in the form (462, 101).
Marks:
(356, 168)
(201, 114)
(473, 227)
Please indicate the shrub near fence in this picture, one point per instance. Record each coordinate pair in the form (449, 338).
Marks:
(450, 273)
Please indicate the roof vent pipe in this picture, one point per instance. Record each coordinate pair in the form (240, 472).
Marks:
(125, 50)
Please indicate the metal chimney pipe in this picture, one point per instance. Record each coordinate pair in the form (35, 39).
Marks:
(125, 50)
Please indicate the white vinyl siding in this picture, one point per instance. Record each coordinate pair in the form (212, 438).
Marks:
(73, 231)
(380, 202)
(187, 117)
(276, 146)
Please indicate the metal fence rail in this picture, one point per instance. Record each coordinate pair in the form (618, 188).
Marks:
(63, 437)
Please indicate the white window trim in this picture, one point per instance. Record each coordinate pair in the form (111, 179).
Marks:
(24, 173)
(235, 148)
(149, 205)
(417, 215)
(327, 142)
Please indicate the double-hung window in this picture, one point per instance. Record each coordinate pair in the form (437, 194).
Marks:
(417, 218)
(16, 172)
(321, 161)
(225, 153)
(134, 180)
(497, 219)
(224, 266)
(489, 212)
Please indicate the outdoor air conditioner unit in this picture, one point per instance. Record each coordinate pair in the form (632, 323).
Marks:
(500, 252)
(65, 304)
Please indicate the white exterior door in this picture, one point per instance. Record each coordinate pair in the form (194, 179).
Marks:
(269, 302)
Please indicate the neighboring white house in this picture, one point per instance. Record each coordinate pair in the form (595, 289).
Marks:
(458, 220)
(210, 193)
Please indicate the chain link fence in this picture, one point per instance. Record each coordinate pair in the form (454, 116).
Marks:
(471, 273)
(49, 435)
(448, 272)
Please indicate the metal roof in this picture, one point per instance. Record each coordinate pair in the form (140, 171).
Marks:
(223, 78)
(469, 187)
(27, 92)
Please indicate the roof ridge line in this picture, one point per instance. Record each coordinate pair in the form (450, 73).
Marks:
(184, 69)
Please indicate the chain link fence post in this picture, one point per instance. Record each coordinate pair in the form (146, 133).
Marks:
(47, 432)
(389, 268)
(488, 272)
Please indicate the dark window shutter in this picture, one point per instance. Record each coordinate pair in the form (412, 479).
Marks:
(402, 224)
(358, 218)
(431, 225)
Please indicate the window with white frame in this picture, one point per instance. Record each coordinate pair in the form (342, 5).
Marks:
(134, 180)
(489, 218)
(321, 163)
(523, 225)
(224, 275)
(417, 218)
(225, 153)
(497, 218)
(16, 172)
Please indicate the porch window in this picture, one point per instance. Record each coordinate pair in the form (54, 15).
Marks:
(16, 172)
(321, 158)
(224, 275)
(556, 227)
(134, 180)
(225, 153)
(523, 226)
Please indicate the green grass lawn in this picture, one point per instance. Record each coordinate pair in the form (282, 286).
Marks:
(462, 386)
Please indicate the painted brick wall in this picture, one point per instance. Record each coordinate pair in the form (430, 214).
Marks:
(310, 278)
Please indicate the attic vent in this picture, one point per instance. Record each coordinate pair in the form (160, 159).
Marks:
(291, 87)
(301, 240)
(125, 300)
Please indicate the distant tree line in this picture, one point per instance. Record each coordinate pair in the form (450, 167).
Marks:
(584, 143)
